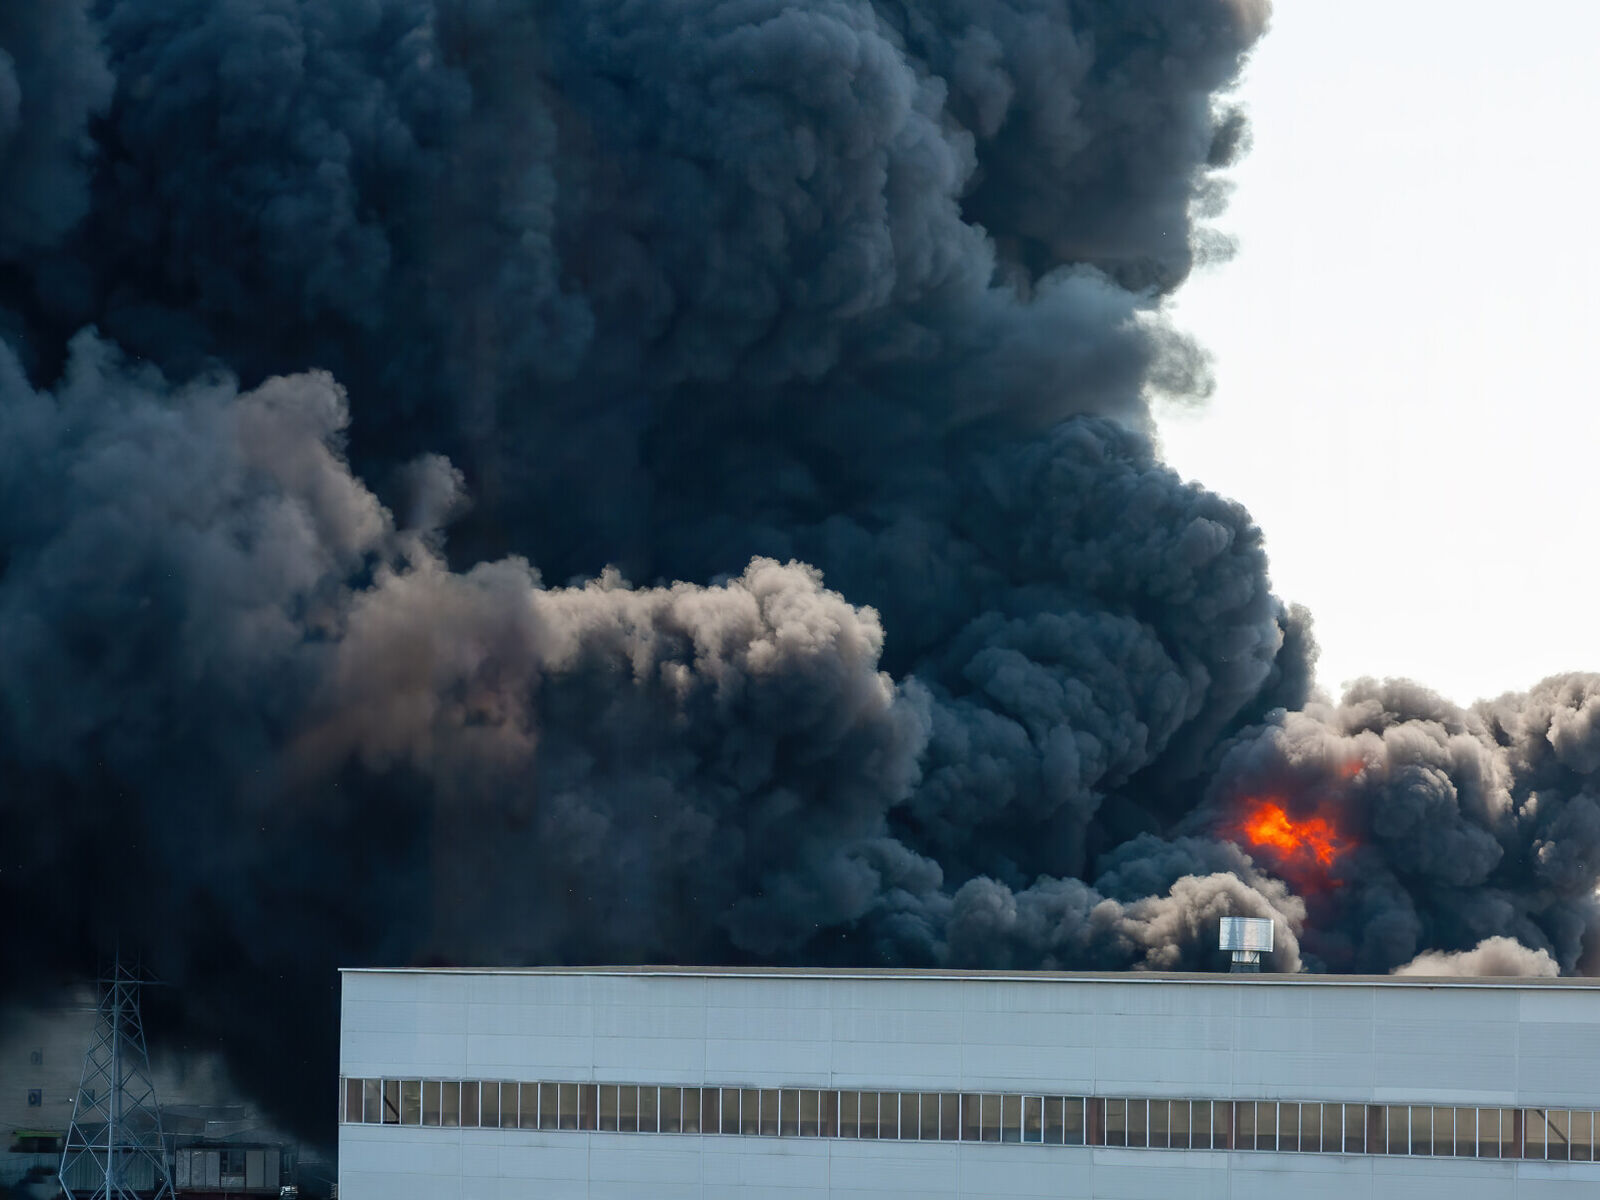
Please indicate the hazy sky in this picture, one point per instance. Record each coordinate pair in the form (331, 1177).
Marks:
(1404, 344)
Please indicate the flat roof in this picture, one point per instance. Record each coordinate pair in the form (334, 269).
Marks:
(1141, 977)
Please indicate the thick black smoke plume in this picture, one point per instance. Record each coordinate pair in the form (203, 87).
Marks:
(494, 481)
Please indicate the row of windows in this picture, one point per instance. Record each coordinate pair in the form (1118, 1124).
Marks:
(1279, 1125)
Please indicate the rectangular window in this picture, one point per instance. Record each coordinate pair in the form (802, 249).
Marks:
(371, 1101)
(1094, 1121)
(769, 1113)
(1376, 1129)
(1010, 1118)
(1556, 1134)
(733, 1110)
(711, 1108)
(789, 1113)
(1178, 1121)
(1421, 1139)
(910, 1115)
(1214, 1120)
(1033, 1118)
(849, 1114)
(490, 1105)
(1075, 1125)
(1378, 1120)
(1510, 1133)
(870, 1123)
(411, 1102)
(1533, 1133)
(549, 1106)
(1116, 1122)
(469, 1104)
(810, 1113)
(1311, 1128)
(569, 1106)
(929, 1128)
(1246, 1126)
(527, 1104)
(1055, 1120)
(391, 1102)
(1466, 1139)
(649, 1109)
(1582, 1136)
(701, 1111)
(1138, 1123)
(1160, 1124)
(1488, 1133)
(352, 1100)
(1444, 1130)
(688, 1110)
(991, 1119)
(588, 1107)
(628, 1108)
(692, 1105)
(1355, 1129)
(888, 1114)
(949, 1116)
(971, 1116)
(671, 1110)
(830, 1114)
(1332, 1131)
(1398, 1137)
(608, 1107)
(450, 1104)
(1288, 1127)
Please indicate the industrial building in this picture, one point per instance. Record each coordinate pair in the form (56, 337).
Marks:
(680, 1082)
(207, 1149)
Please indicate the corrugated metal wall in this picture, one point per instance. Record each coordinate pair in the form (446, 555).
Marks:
(85, 1175)
(1357, 1042)
(201, 1170)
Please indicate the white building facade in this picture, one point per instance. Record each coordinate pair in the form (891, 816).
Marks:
(672, 1083)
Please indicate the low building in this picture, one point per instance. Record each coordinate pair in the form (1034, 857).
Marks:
(678, 1082)
(212, 1149)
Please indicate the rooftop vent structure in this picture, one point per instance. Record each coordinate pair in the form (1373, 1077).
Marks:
(1247, 937)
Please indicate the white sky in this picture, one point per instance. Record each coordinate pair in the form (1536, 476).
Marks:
(1404, 345)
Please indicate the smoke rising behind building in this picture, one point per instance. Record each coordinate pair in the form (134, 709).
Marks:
(484, 481)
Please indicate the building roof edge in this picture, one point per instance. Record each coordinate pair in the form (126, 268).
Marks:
(1262, 979)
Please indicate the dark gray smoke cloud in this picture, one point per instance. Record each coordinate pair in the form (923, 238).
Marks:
(1465, 824)
(489, 481)
(53, 78)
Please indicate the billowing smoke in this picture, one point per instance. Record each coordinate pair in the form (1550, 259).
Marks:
(1492, 956)
(492, 481)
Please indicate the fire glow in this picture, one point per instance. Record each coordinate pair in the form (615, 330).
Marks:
(1267, 823)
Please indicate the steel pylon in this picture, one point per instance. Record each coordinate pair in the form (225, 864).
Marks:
(115, 1149)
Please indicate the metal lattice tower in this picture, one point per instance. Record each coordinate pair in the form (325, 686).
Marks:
(115, 1137)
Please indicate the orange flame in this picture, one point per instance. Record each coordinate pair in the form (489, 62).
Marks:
(1269, 824)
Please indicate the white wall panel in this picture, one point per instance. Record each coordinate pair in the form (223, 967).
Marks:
(1268, 1177)
(1362, 1042)
(1445, 1179)
(1127, 1175)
